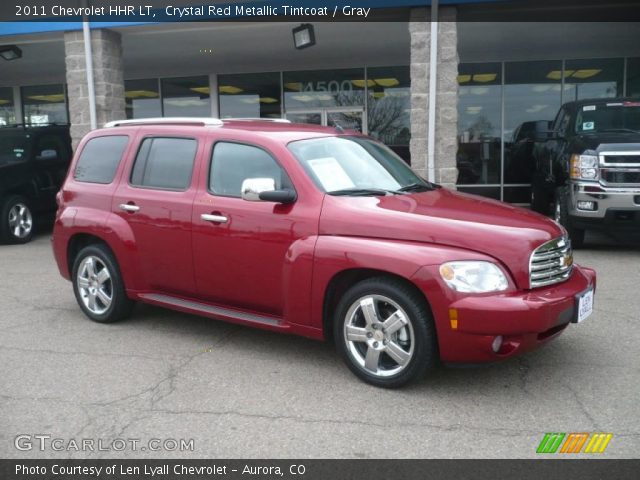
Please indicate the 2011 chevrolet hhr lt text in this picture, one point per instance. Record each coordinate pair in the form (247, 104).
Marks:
(312, 231)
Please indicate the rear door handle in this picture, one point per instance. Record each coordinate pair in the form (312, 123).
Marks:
(127, 207)
(214, 218)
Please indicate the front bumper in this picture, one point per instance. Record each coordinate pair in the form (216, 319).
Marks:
(525, 319)
(616, 207)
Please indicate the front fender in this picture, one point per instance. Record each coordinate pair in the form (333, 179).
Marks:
(335, 254)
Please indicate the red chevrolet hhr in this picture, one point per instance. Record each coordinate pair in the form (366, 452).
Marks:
(312, 231)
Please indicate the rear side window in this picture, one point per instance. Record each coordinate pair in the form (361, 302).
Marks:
(235, 162)
(99, 159)
(165, 163)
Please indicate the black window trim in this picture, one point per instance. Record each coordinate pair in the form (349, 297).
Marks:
(115, 173)
(163, 189)
(246, 144)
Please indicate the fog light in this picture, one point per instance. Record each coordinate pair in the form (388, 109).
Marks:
(496, 344)
(588, 206)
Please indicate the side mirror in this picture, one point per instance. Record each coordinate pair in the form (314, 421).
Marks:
(253, 187)
(264, 189)
(47, 155)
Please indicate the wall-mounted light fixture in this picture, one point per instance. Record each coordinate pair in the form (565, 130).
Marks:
(10, 52)
(304, 36)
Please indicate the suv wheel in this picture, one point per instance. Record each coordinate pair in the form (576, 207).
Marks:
(561, 215)
(98, 285)
(385, 333)
(17, 220)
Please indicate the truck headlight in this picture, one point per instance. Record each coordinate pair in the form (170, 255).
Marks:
(473, 277)
(584, 167)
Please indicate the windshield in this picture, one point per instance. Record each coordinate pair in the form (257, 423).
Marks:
(13, 147)
(608, 117)
(353, 165)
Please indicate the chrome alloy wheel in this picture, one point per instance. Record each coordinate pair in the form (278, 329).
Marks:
(20, 220)
(94, 285)
(379, 335)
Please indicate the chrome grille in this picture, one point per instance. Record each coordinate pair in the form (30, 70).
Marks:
(551, 263)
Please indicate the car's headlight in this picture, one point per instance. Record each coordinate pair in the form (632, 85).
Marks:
(473, 277)
(584, 167)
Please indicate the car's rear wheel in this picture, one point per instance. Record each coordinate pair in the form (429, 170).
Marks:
(98, 285)
(17, 220)
(385, 333)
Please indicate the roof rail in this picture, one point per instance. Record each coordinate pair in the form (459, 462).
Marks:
(257, 119)
(202, 121)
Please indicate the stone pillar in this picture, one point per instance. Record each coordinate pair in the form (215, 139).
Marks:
(446, 94)
(108, 80)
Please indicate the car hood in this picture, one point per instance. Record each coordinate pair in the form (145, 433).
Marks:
(608, 141)
(445, 217)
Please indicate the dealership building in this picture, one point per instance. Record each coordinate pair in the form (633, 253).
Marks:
(448, 96)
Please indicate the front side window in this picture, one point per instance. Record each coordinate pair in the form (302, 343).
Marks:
(165, 163)
(233, 163)
(100, 159)
(355, 165)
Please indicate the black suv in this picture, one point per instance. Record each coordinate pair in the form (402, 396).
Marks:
(33, 165)
(588, 167)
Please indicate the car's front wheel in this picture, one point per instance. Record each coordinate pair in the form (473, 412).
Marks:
(17, 220)
(98, 285)
(385, 333)
(561, 215)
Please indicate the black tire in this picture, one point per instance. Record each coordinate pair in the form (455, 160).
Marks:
(561, 215)
(16, 229)
(421, 335)
(120, 305)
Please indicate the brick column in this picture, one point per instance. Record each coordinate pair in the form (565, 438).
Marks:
(446, 94)
(107, 75)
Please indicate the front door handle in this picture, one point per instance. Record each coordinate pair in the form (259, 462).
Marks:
(214, 218)
(127, 207)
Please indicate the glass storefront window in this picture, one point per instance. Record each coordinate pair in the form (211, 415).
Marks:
(633, 77)
(479, 124)
(7, 108)
(251, 95)
(142, 98)
(532, 96)
(186, 97)
(388, 107)
(323, 88)
(44, 104)
(595, 78)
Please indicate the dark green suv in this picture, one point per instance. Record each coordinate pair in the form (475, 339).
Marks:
(33, 165)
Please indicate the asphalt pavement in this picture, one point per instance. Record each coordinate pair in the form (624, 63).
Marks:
(236, 392)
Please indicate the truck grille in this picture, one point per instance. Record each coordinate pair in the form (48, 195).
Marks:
(620, 168)
(551, 263)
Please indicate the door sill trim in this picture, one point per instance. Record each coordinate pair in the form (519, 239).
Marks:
(206, 309)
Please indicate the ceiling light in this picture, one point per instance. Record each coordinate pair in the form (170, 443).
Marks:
(54, 98)
(204, 90)
(387, 82)
(484, 77)
(304, 36)
(229, 89)
(464, 78)
(10, 52)
(297, 86)
(360, 83)
(586, 73)
(268, 100)
(140, 94)
(4, 102)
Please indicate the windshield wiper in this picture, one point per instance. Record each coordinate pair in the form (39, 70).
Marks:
(623, 130)
(360, 192)
(417, 187)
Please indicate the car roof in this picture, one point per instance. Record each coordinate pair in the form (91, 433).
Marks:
(600, 101)
(278, 130)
